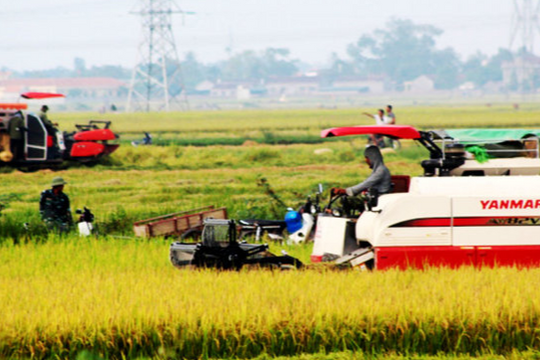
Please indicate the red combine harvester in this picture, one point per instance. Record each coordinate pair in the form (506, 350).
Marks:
(477, 204)
(45, 147)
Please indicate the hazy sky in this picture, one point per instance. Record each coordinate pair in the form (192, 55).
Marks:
(39, 34)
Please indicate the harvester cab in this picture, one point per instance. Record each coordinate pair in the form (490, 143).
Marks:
(469, 208)
(43, 146)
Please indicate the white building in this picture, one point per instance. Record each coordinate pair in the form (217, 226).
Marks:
(293, 85)
(521, 70)
(421, 84)
(355, 85)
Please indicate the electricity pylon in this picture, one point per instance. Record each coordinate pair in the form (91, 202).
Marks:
(525, 21)
(156, 82)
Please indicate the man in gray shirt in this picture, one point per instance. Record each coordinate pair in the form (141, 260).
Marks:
(391, 117)
(380, 178)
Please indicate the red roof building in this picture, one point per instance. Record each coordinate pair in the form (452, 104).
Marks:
(99, 87)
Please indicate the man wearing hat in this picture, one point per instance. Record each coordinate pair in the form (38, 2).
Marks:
(54, 207)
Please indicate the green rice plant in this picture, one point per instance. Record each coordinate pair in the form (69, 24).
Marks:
(151, 181)
(262, 155)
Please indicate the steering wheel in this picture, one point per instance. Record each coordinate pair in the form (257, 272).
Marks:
(337, 212)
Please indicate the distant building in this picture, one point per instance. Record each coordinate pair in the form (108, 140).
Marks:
(354, 85)
(467, 86)
(493, 87)
(98, 88)
(4, 75)
(521, 71)
(421, 84)
(293, 85)
(205, 86)
(224, 90)
(242, 93)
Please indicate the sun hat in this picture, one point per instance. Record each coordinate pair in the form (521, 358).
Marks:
(57, 181)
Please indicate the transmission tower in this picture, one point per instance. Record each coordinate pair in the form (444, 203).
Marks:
(156, 82)
(525, 21)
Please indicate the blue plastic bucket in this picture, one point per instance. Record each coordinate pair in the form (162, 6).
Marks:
(293, 219)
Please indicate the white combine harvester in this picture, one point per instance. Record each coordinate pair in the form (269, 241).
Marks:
(461, 212)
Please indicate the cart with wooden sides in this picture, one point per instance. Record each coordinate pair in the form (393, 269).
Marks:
(178, 224)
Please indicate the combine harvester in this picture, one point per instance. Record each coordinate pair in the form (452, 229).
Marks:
(42, 149)
(461, 212)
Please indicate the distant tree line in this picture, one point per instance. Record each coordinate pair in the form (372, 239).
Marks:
(79, 70)
(399, 52)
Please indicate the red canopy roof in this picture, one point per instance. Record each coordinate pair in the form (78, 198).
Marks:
(40, 95)
(397, 131)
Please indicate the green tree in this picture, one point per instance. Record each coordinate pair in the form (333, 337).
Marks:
(57, 72)
(403, 51)
(250, 65)
(79, 65)
(446, 66)
(481, 69)
(113, 71)
(277, 62)
(338, 68)
(193, 72)
(245, 65)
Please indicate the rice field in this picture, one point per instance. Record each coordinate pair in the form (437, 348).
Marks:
(121, 298)
(116, 297)
(236, 127)
(143, 182)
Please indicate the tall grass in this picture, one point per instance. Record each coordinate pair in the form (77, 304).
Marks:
(144, 182)
(122, 298)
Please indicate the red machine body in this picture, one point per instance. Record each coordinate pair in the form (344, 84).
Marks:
(95, 135)
(92, 141)
(86, 149)
(420, 257)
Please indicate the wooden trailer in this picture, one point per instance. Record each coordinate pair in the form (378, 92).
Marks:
(176, 224)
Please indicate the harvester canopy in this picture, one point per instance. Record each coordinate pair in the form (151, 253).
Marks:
(40, 95)
(394, 131)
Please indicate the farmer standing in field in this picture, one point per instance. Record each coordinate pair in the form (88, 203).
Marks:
(54, 207)
(390, 116)
(379, 117)
(380, 120)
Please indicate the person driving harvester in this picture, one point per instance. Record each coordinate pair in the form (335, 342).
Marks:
(380, 180)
